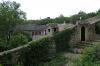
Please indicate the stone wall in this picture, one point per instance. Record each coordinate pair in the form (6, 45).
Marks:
(60, 27)
(74, 37)
(49, 31)
(35, 37)
(15, 53)
(52, 46)
(91, 32)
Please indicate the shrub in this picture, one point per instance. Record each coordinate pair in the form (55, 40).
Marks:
(1, 65)
(5, 59)
(36, 52)
(57, 59)
(62, 39)
(17, 32)
(90, 56)
(2, 45)
(17, 40)
(92, 52)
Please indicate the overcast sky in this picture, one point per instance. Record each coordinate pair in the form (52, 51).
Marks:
(53, 8)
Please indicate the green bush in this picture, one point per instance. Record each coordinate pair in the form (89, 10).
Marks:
(92, 52)
(86, 63)
(5, 60)
(90, 56)
(36, 52)
(62, 39)
(17, 32)
(2, 45)
(1, 65)
(57, 59)
(17, 40)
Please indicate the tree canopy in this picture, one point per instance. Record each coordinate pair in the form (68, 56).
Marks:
(61, 18)
(10, 15)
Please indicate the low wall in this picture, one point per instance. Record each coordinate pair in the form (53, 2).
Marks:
(35, 37)
(74, 37)
(15, 53)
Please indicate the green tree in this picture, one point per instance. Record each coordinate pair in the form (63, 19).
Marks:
(92, 14)
(10, 15)
(2, 45)
(17, 32)
(98, 12)
(18, 40)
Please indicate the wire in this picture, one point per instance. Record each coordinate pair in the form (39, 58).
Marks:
(91, 5)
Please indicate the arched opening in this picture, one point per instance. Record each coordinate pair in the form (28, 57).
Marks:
(82, 33)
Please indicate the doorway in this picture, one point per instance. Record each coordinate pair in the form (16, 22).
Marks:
(82, 33)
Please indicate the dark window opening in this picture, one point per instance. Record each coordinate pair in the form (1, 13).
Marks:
(39, 33)
(97, 29)
(55, 29)
(36, 33)
(32, 33)
(82, 33)
(48, 30)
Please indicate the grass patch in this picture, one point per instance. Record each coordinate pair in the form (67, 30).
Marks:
(57, 59)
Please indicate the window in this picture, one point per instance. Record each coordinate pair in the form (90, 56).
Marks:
(55, 29)
(36, 33)
(48, 30)
(32, 33)
(39, 33)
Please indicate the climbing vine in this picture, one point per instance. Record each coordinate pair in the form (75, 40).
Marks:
(62, 39)
(5, 59)
(36, 52)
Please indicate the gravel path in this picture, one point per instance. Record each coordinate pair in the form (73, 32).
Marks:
(71, 56)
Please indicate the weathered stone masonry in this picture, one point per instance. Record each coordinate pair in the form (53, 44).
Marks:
(86, 26)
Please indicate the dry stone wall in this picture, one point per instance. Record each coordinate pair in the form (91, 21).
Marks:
(91, 32)
(74, 37)
(15, 53)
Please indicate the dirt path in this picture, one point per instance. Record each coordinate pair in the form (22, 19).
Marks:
(70, 56)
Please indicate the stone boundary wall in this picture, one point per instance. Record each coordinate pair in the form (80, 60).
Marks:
(15, 53)
(35, 37)
(91, 32)
(74, 37)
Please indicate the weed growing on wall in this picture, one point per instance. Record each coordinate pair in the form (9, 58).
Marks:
(62, 39)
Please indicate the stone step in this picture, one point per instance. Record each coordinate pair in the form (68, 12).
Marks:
(96, 40)
(83, 44)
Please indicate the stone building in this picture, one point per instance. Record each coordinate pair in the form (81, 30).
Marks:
(35, 31)
(51, 28)
(87, 28)
(84, 30)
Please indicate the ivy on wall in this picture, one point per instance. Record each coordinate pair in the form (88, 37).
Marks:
(36, 52)
(62, 39)
(5, 59)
